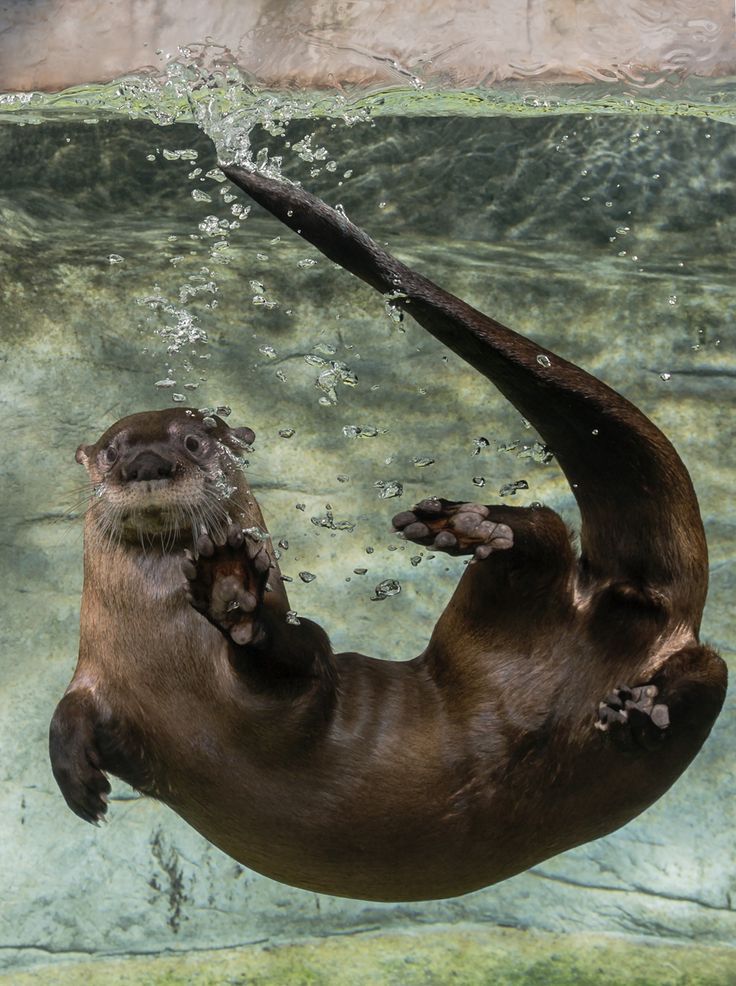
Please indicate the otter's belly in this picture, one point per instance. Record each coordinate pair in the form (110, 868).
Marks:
(352, 830)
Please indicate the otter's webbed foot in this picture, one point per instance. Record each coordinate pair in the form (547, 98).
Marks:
(633, 717)
(455, 528)
(75, 758)
(226, 582)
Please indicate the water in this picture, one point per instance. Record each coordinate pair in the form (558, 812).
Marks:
(132, 277)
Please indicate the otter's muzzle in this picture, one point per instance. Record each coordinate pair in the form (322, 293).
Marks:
(146, 466)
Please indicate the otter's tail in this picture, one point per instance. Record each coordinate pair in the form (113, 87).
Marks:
(640, 517)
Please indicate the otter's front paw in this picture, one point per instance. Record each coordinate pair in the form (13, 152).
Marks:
(75, 760)
(455, 528)
(226, 582)
(633, 717)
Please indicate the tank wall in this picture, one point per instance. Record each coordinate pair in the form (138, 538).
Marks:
(610, 240)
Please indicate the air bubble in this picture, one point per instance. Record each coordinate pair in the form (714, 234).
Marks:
(184, 155)
(326, 348)
(358, 431)
(389, 587)
(510, 489)
(388, 488)
(330, 523)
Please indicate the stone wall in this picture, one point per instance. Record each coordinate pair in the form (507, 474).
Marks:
(54, 44)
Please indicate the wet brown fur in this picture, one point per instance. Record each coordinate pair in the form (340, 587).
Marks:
(475, 760)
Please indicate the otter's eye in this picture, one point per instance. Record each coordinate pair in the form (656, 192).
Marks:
(192, 443)
(111, 454)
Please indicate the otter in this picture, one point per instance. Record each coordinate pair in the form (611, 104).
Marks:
(560, 694)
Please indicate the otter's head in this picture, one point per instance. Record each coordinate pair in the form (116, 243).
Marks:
(165, 474)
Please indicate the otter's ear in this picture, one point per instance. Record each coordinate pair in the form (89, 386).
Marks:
(246, 436)
(83, 453)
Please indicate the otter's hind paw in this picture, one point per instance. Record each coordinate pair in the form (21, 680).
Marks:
(455, 528)
(226, 582)
(633, 717)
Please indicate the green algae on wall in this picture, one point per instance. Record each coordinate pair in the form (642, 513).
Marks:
(467, 957)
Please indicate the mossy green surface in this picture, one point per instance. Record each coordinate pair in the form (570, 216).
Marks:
(467, 957)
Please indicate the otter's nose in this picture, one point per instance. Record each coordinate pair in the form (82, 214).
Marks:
(146, 466)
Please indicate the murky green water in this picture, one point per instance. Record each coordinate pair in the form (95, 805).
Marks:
(126, 264)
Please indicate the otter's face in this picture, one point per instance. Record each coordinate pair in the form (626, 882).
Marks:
(165, 473)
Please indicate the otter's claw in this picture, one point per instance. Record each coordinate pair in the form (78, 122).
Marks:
(455, 528)
(633, 717)
(226, 583)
